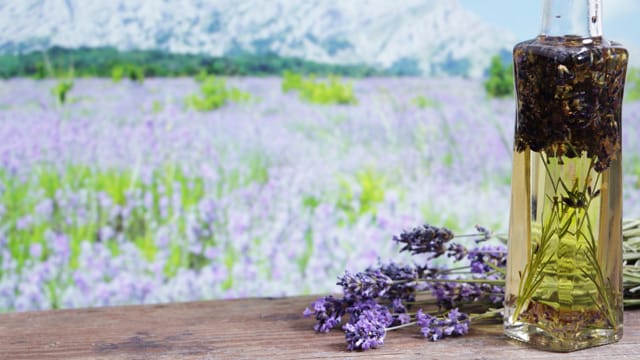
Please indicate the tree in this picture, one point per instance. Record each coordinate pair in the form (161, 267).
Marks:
(500, 81)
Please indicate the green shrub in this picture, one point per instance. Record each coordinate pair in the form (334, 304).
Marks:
(214, 94)
(361, 195)
(117, 73)
(331, 91)
(135, 73)
(201, 76)
(61, 90)
(291, 81)
(500, 81)
(632, 91)
(131, 71)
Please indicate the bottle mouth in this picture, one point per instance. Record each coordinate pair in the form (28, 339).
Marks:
(582, 18)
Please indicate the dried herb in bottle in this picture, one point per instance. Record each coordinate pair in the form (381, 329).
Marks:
(564, 269)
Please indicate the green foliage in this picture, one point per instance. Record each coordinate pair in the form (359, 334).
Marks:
(117, 73)
(19, 201)
(201, 76)
(500, 81)
(157, 106)
(131, 71)
(215, 94)
(135, 73)
(109, 62)
(291, 81)
(61, 89)
(632, 91)
(330, 91)
(423, 102)
(361, 196)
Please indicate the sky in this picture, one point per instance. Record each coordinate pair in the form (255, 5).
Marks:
(523, 18)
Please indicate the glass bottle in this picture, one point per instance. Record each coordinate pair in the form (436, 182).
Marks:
(564, 269)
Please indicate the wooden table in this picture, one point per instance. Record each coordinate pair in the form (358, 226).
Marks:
(248, 329)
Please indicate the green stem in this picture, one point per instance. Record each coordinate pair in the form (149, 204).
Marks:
(488, 315)
(402, 326)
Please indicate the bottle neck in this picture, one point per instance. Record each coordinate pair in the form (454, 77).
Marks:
(574, 18)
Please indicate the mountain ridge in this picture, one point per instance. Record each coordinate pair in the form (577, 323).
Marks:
(415, 36)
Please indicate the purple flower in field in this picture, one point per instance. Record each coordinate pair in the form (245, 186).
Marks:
(35, 250)
(24, 222)
(106, 233)
(328, 311)
(60, 244)
(426, 239)
(164, 206)
(365, 285)
(148, 201)
(435, 328)
(44, 208)
(211, 253)
(103, 199)
(208, 210)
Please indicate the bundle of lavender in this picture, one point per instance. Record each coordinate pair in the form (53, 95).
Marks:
(440, 301)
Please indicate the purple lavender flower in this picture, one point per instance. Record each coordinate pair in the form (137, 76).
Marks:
(450, 294)
(487, 234)
(24, 222)
(369, 308)
(44, 208)
(426, 239)
(328, 311)
(398, 307)
(481, 257)
(435, 328)
(59, 244)
(366, 328)
(365, 285)
(35, 250)
(405, 280)
(457, 251)
(403, 319)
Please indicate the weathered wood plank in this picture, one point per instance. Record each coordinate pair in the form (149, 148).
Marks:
(246, 329)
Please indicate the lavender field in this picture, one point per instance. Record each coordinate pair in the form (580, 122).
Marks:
(124, 196)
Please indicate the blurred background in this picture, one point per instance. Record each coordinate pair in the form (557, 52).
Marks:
(155, 151)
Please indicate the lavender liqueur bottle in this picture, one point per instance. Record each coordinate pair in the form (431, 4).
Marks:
(564, 269)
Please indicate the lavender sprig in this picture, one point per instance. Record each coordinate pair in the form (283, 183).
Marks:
(365, 285)
(328, 312)
(426, 239)
(367, 332)
(435, 328)
(381, 299)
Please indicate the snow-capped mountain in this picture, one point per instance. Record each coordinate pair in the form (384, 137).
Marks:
(430, 36)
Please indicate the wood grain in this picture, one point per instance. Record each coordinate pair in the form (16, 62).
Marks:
(247, 329)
